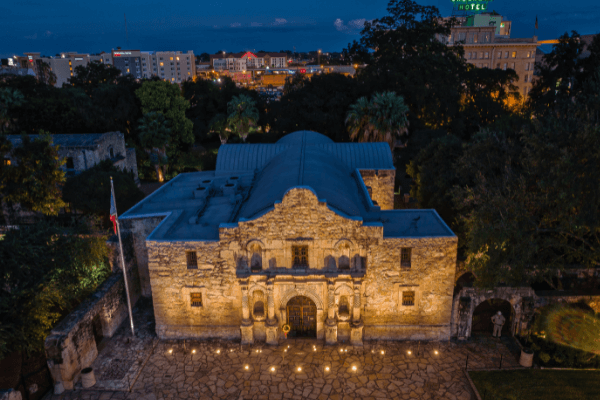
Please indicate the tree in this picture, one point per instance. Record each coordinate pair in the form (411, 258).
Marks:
(92, 75)
(383, 119)
(557, 74)
(9, 99)
(155, 136)
(534, 205)
(243, 115)
(319, 104)
(44, 73)
(166, 99)
(46, 270)
(35, 181)
(219, 126)
(89, 191)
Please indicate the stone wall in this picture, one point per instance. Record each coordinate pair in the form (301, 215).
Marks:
(381, 184)
(430, 277)
(543, 299)
(371, 282)
(71, 345)
(10, 394)
(134, 232)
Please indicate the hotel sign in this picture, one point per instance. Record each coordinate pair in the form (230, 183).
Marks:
(471, 5)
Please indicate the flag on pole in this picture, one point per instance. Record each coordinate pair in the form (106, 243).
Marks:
(113, 207)
(536, 22)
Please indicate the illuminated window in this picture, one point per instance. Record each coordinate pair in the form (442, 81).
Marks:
(127, 69)
(7, 161)
(161, 64)
(177, 58)
(300, 256)
(196, 299)
(514, 54)
(408, 298)
(528, 54)
(405, 257)
(171, 58)
(192, 259)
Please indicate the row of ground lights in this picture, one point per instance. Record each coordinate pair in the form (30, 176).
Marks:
(409, 352)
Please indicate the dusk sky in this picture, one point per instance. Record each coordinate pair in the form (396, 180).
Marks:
(236, 25)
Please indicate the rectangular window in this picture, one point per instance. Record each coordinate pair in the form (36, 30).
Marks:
(475, 56)
(513, 66)
(171, 58)
(505, 65)
(481, 55)
(528, 54)
(300, 256)
(196, 299)
(405, 257)
(498, 65)
(487, 54)
(527, 67)
(7, 161)
(475, 38)
(408, 298)
(70, 163)
(499, 54)
(514, 54)
(192, 259)
(526, 77)
(506, 54)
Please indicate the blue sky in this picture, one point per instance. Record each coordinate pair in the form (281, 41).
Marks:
(236, 25)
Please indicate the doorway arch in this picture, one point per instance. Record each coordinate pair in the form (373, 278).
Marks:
(483, 313)
(302, 317)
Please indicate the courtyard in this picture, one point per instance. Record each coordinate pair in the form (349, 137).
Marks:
(145, 367)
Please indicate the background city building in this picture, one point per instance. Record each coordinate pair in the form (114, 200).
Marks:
(247, 60)
(487, 44)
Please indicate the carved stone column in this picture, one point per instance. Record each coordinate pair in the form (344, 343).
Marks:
(330, 324)
(247, 326)
(356, 328)
(271, 326)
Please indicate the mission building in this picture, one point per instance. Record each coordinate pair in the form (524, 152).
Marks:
(301, 232)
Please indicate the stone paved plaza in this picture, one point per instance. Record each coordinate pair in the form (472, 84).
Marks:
(296, 369)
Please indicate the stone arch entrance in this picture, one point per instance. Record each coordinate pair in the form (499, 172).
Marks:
(483, 313)
(302, 317)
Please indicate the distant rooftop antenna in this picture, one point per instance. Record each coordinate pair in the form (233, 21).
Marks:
(126, 32)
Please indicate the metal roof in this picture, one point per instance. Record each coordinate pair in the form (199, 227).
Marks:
(251, 157)
(63, 140)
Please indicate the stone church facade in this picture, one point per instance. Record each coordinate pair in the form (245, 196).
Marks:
(299, 233)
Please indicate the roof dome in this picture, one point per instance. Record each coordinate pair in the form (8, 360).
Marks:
(305, 137)
(313, 167)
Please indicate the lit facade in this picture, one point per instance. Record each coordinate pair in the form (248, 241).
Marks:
(247, 60)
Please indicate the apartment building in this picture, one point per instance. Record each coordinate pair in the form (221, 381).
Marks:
(487, 44)
(172, 66)
(247, 60)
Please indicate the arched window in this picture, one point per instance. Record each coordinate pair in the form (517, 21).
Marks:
(344, 308)
(344, 260)
(111, 152)
(259, 304)
(255, 254)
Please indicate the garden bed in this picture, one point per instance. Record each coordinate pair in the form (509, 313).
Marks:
(534, 384)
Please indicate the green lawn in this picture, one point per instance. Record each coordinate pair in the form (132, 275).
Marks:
(533, 384)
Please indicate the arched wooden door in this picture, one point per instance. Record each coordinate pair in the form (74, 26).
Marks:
(302, 317)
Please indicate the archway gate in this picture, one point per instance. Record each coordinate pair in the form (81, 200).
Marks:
(521, 299)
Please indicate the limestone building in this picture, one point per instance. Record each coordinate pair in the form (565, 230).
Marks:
(300, 232)
(83, 151)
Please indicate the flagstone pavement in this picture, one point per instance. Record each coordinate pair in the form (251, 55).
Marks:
(146, 368)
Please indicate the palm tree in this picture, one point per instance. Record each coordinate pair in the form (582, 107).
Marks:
(155, 133)
(383, 119)
(243, 115)
(218, 124)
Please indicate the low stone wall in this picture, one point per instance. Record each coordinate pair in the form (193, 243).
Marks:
(71, 345)
(10, 394)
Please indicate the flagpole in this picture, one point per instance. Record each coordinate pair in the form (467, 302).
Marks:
(112, 191)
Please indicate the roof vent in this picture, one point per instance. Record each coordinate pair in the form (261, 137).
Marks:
(201, 192)
(229, 188)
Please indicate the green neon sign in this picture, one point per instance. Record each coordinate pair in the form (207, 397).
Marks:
(471, 5)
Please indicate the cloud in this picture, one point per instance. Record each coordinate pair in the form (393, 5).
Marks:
(280, 21)
(354, 26)
(235, 25)
(256, 24)
(48, 34)
(32, 37)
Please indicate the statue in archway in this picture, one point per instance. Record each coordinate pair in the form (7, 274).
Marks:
(498, 320)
